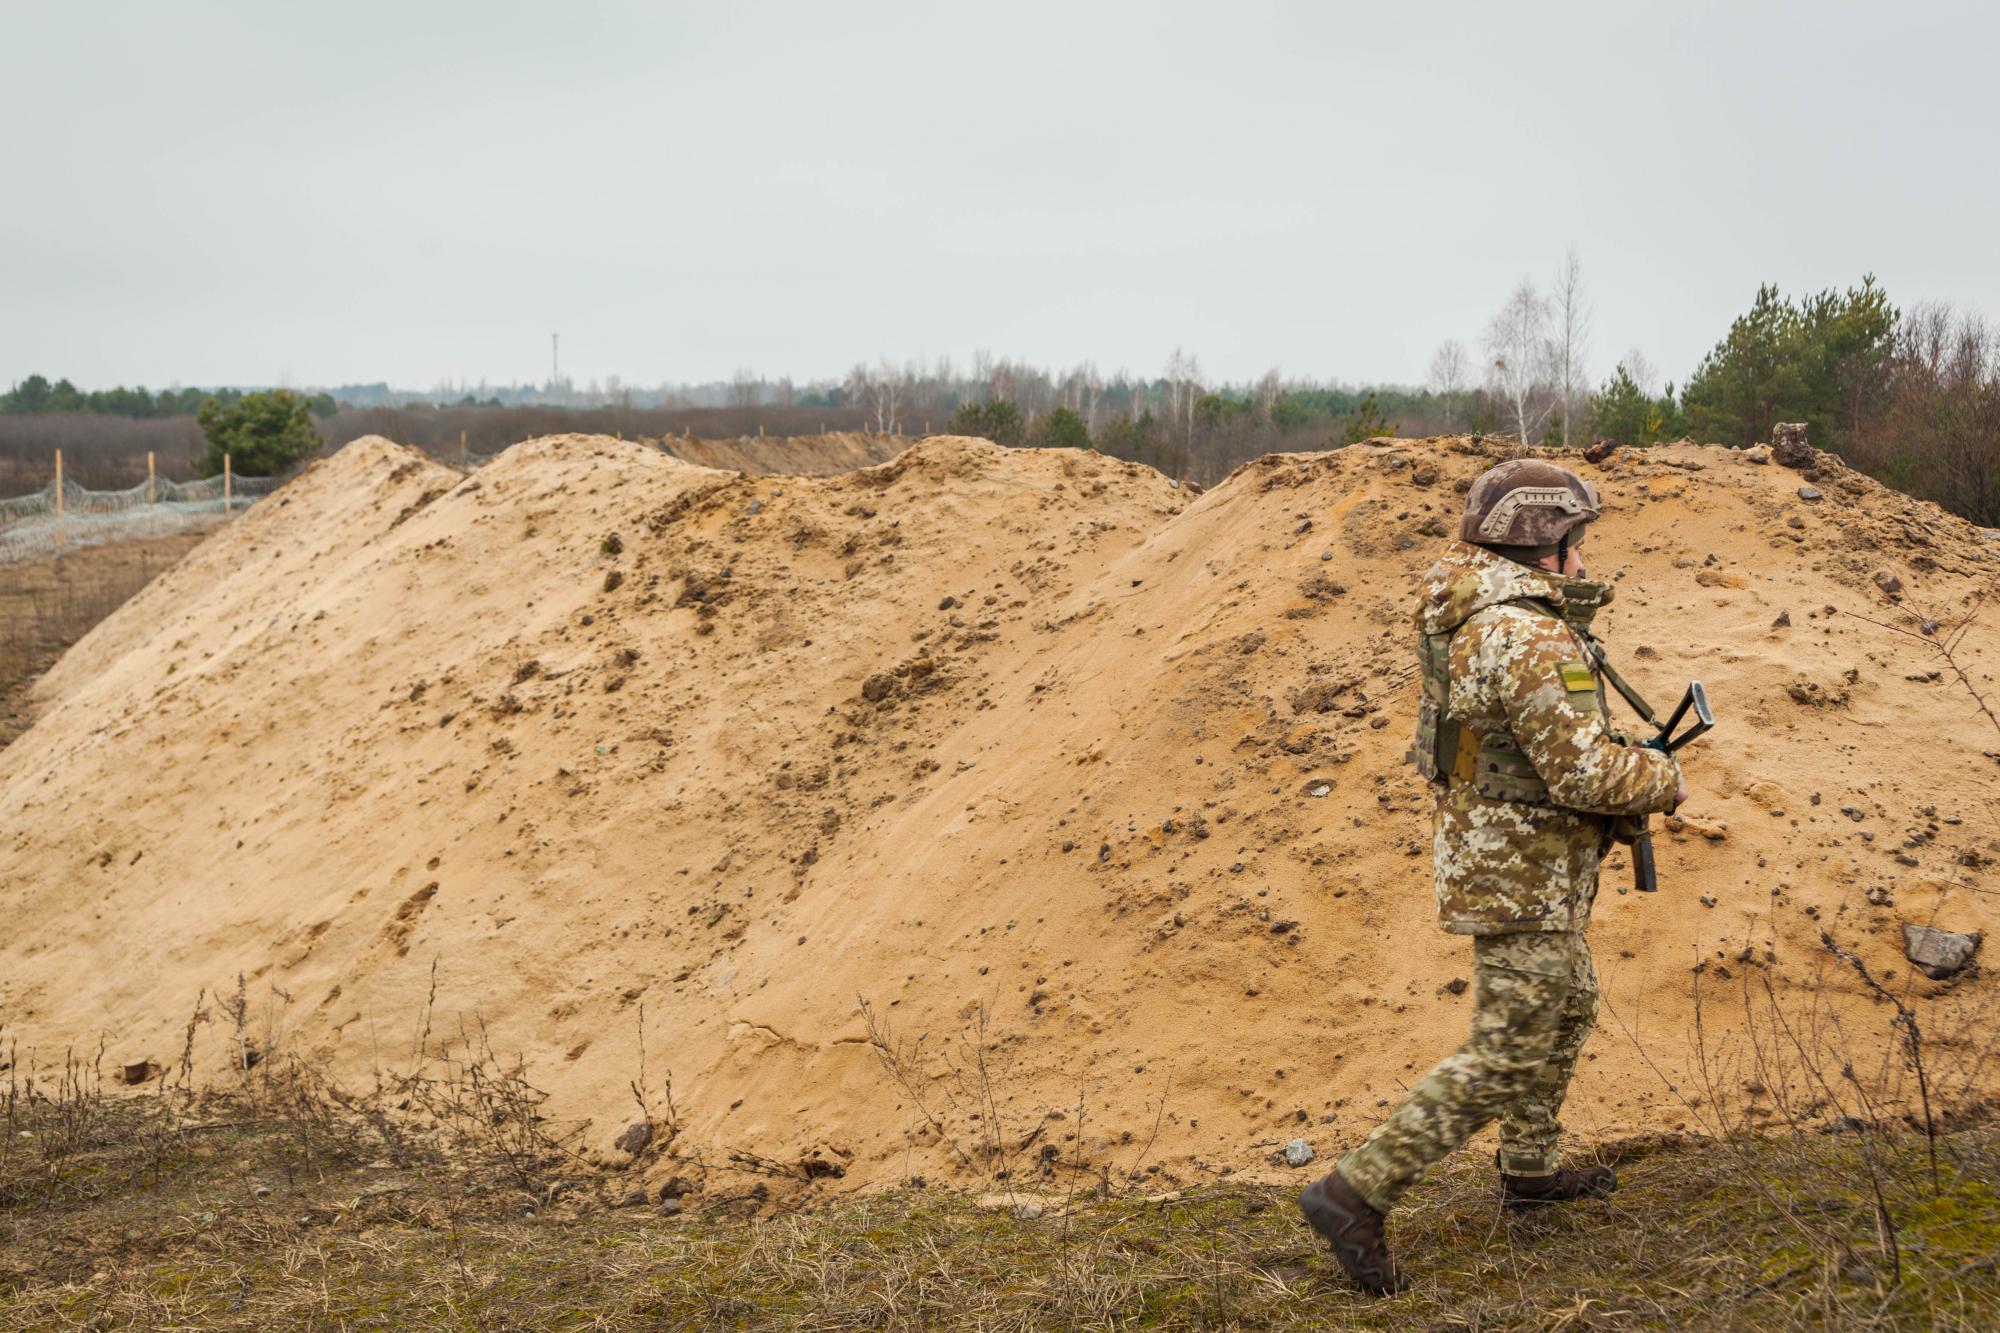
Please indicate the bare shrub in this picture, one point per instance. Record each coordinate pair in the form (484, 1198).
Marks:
(1937, 433)
(961, 1088)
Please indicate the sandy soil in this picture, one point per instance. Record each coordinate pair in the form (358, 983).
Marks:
(1024, 736)
(809, 455)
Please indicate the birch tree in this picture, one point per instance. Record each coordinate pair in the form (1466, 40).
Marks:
(1268, 390)
(1173, 379)
(1569, 310)
(1183, 386)
(1132, 390)
(881, 391)
(1520, 358)
(1451, 375)
(857, 386)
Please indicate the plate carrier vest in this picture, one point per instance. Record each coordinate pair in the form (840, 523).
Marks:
(1447, 750)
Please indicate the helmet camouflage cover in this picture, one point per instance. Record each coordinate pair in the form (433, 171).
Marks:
(1526, 502)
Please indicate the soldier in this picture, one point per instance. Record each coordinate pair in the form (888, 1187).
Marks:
(1532, 787)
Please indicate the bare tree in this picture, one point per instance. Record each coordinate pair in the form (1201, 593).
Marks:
(1073, 388)
(1131, 391)
(1450, 377)
(746, 391)
(1183, 386)
(855, 386)
(1520, 356)
(1268, 390)
(936, 393)
(1570, 311)
(1640, 368)
(879, 390)
(1939, 430)
(1000, 381)
(899, 383)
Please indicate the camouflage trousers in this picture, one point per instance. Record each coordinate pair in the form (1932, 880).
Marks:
(1534, 1003)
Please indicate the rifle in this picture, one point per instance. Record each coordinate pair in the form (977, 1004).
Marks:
(1696, 699)
(1644, 877)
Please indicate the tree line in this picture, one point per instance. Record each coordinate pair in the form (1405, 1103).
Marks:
(36, 395)
(1912, 397)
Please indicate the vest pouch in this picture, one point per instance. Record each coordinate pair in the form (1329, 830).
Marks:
(1503, 773)
(1423, 748)
(1435, 745)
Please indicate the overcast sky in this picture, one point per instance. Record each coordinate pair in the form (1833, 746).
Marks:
(317, 193)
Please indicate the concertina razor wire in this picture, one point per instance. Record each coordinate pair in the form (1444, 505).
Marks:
(31, 530)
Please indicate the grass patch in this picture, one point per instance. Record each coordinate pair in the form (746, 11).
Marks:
(157, 1210)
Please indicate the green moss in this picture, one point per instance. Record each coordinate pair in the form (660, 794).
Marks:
(1963, 1217)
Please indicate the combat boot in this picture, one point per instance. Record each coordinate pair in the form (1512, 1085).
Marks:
(1346, 1222)
(1565, 1186)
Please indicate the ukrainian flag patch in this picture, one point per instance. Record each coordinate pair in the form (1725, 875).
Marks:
(1576, 677)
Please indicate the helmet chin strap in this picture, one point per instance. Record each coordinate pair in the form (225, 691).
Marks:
(1562, 554)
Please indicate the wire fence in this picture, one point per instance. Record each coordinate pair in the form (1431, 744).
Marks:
(35, 526)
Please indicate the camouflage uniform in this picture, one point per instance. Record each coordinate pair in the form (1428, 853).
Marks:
(1521, 826)
(1526, 682)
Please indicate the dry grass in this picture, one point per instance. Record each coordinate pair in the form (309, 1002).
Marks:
(284, 1205)
(442, 1198)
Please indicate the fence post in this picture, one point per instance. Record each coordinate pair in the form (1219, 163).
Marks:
(149, 479)
(228, 488)
(461, 449)
(60, 534)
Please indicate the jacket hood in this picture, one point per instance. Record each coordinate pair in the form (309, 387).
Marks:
(1467, 579)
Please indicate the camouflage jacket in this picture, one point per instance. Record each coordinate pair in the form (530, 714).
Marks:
(1504, 865)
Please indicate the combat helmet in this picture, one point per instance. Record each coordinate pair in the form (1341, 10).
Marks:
(1527, 504)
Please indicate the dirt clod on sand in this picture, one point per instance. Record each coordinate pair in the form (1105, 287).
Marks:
(419, 756)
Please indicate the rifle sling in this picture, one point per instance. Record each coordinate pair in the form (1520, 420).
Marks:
(1597, 655)
(1618, 683)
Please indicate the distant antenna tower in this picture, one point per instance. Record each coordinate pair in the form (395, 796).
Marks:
(555, 359)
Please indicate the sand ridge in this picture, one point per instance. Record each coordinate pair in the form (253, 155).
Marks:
(1029, 734)
(804, 455)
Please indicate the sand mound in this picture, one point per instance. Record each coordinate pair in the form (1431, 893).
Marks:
(806, 455)
(1028, 738)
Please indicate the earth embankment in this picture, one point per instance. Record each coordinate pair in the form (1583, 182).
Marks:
(1051, 764)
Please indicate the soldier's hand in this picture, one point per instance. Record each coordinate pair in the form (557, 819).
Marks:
(1681, 791)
